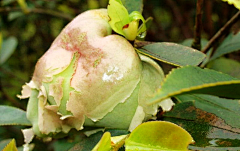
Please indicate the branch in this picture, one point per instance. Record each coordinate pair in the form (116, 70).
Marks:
(198, 26)
(39, 11)
(222, 31)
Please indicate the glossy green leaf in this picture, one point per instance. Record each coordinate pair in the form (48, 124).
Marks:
(236, 3)
(8, 47)
(158, 135)
(133, 5)
(118, 16)
(13, 116)
(225, 65)
(190, 79)
(104, 144)
(173, 53)
(11, 146)
(208, 130)
(230, 44)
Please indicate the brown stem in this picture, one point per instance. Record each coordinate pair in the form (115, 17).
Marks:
(208, 13)
(39, 11)
(198, 26)
(221, 32)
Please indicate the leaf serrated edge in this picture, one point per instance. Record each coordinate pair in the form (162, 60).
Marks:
(152, 101)
(13, 148)
(168, 61)
(14, 123)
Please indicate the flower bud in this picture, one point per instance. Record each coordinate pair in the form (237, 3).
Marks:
(89, 77)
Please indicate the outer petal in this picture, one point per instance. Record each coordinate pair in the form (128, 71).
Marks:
(122, 114)
(108, 69)
(152, 76)
(86, 73)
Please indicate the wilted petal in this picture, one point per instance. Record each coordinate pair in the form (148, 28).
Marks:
(28, 135)
(137, 118)
(166, 104)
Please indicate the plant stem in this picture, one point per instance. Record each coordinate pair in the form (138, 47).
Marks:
(198, 26)
(39, 11)
(221, 32)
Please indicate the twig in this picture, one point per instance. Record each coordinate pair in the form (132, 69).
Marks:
(221, 32)
(208, 14)
(139, 44)
(39, 11)
(198, 26)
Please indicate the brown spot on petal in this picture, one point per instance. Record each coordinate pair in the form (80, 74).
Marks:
(72, 40)
(75, 40)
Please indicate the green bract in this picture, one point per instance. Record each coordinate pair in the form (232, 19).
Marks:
(123, 23)
(89, 77)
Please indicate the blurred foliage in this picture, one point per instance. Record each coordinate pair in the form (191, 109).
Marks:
(36, 24)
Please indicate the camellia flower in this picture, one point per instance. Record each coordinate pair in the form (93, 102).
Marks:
(90, 77)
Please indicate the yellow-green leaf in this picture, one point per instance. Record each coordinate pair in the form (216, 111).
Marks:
(118, 16)
(104, 144)
(236, 3)
(158, 136)
(123, 23)
(11, 146)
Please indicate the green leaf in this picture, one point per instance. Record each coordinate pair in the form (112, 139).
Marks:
(11, 146)
(133, 5)
(4, 143)
(158, 135)
(236, 3)
(118, 16)
(63, 144)
(226, 109)
(225, 65)
(8, 47)
(13, 116)
(88, 143)
(104, 144)
(190, 79)
(173, 53)
(209, 131)
(230, 44)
